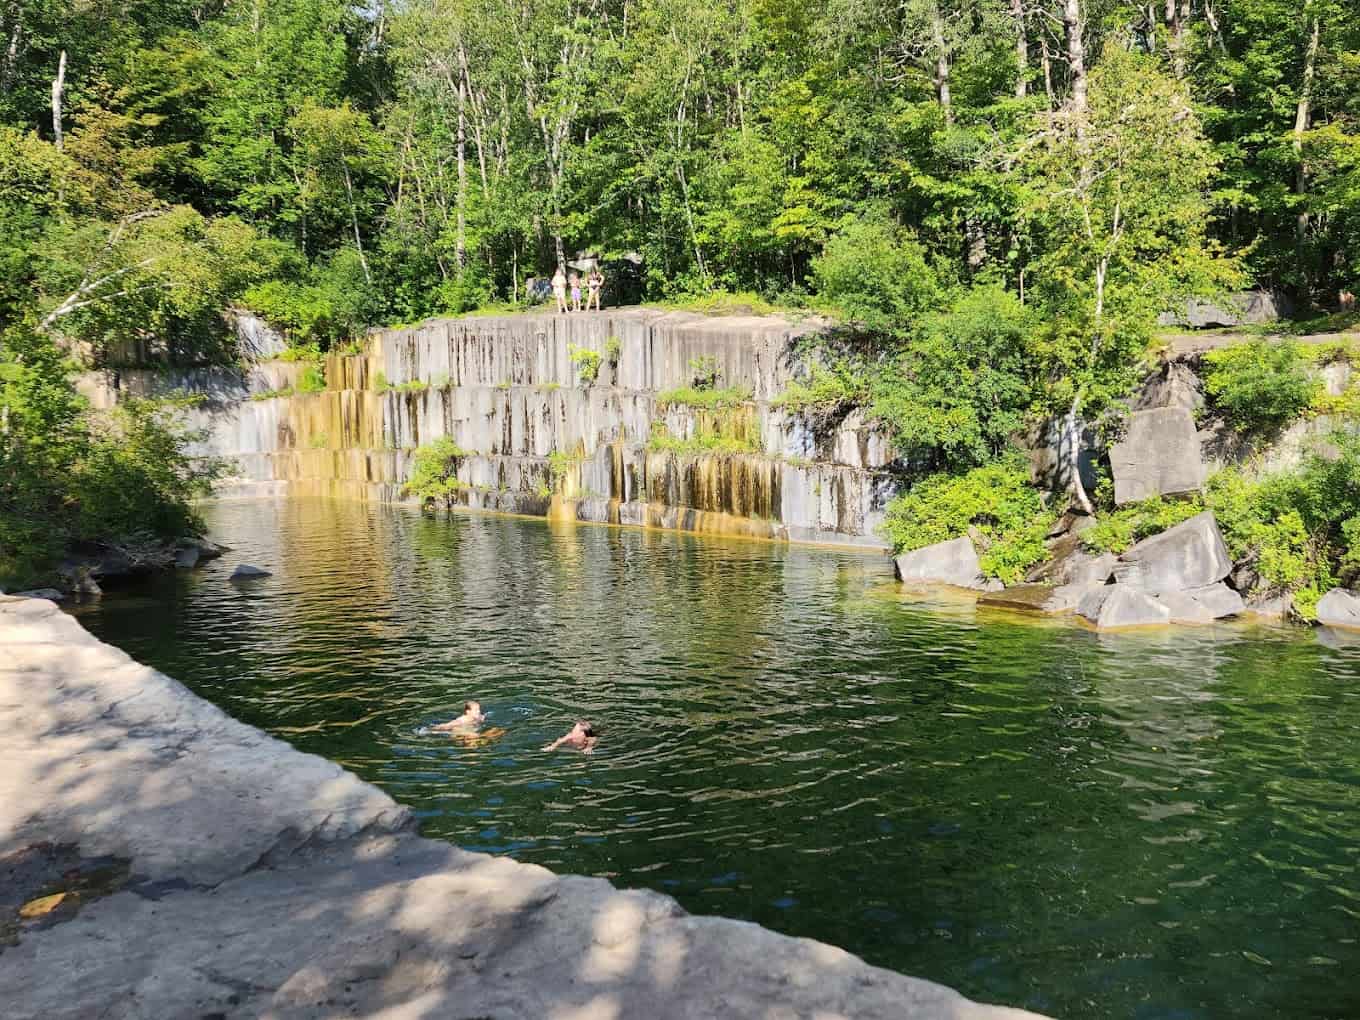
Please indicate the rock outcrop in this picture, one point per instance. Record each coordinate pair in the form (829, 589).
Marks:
(1120, 605)
(1191, 554)
(244, 879)
(1158, 456)
(954, 562)
(1339, 608)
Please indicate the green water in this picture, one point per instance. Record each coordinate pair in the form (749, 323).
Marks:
(1150, 825)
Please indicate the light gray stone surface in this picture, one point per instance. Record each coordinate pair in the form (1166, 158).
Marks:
(1219, 599)
(1189, 555)
(1158, 456)
(1038, 598)
(1185, 608)
(270, 883)
(1339, 608)
(954, 562)
(1119, 605)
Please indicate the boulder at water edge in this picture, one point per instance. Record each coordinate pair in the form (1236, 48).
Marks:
(1339, 608)
(1038, 598)
(1119, 605)
(1219, 599)
(954, 562)
(1184, 607)
(1160, 455)
(1190, 555)
(51, 594)
(246, 572)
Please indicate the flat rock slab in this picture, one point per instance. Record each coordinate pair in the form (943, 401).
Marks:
(1037, 598)
(1159, 455)
(261, 881)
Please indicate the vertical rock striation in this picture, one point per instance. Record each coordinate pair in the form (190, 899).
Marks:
(507, 390)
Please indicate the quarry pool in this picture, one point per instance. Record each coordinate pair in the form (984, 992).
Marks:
(1158, 824)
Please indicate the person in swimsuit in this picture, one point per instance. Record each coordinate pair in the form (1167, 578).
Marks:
(559, 285)
(582, 736)
(472, 717)
(575, 292)
(595, 281)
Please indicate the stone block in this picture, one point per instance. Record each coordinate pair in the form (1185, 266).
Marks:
(1185, 608)
(246, 572)
(954, 562)
(1219, 599)
(1271, 607)
(1339, 608)
(1119, 605)
(1190, 555)
(1070, 563)
(1159, 456)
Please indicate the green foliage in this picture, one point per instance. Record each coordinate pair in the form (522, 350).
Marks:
(320, 441)
(587, 363)
(434, 473)
(719, 435)
(997, 501)
(1117, 530)
(70, 475)
(1260, 386)
(410, 386)
(708, 399)
(827, 394)
(380, 383)
(964, 382)
(332, 303)
(312, 380)
(560, 463)
(704, 372)
(613, 349)
(876, 274)
(282, 391)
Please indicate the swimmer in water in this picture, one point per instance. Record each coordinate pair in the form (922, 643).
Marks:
(471, 718)
(582, 736)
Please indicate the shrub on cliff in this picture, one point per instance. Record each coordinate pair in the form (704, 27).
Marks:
(434, 476)
(876, 274)
(1259, 386)
(1004, 512)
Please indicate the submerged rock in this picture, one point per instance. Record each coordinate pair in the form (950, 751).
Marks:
(1190, 555)
(954, 562)
(1038, 598)
(51, 594)
(1159, 456)
(246, 572)
(1340, 607)
(1120, 605)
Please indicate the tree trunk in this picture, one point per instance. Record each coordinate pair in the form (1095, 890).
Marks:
(1076, 57)
(1175, 16)
(941, 66)
(58, 89)
(354, 222)
(1302, 120)
(460, 244)
(1021, 50)
(1048, 69)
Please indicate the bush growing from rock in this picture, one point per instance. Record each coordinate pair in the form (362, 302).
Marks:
(1259, 386)
(997, 501)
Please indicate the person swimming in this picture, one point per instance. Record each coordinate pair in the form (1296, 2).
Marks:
(582, 736)
(472, 717)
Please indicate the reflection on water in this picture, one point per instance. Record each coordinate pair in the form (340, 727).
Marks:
(1149, 825)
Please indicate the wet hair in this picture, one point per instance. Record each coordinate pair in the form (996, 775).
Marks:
(467, 705)
(589, 729)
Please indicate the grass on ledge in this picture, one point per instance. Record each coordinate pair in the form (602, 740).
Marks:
(723, 446)
(708, 399)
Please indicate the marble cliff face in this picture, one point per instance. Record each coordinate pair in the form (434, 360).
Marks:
(544, 440)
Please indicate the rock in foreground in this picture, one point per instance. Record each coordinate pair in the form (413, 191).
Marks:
(954, 562)
(247, 572)
(260, 881)
(1191, 554)
(1339, 608)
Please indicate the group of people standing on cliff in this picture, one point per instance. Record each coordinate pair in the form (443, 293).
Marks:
(594, 282)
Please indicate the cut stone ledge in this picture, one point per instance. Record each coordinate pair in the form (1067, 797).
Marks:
(267, 882)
